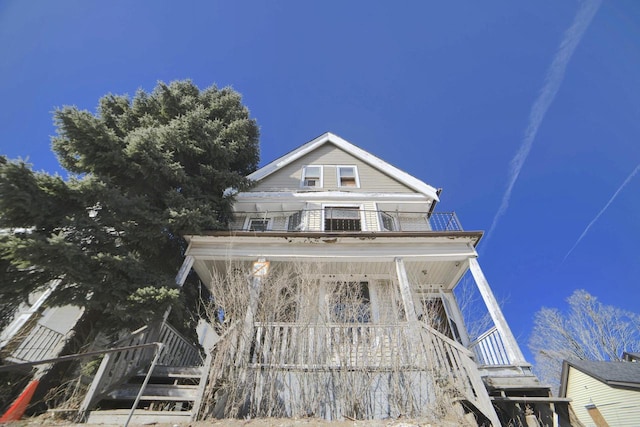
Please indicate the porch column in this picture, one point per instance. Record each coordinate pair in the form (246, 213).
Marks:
(405, 291)
(513, 350)
(181, 277)
(259, 271)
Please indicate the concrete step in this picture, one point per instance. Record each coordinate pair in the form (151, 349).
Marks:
(161, 392)
(140, 416)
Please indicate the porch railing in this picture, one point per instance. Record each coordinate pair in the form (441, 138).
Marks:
(490, 349)
(372, 347)
(346, 220)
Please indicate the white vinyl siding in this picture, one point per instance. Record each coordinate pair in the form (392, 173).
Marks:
(619, 407)
(289, 178)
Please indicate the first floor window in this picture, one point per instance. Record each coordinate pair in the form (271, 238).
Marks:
(350, 302)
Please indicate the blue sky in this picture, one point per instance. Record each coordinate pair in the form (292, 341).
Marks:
(442, 90)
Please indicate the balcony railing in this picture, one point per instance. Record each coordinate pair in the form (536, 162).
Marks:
(344, 219)
(490, 349)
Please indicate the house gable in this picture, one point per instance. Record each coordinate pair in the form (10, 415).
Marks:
(331, 152)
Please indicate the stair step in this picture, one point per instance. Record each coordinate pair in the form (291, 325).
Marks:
(176, 371)
(140, 416)
(164, 392)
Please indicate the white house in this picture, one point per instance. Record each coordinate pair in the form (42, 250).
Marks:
(335, 292)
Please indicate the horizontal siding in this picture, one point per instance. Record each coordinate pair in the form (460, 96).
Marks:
(619, 407)
(371, 180)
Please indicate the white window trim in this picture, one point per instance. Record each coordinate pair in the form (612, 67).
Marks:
(363, 218)
(247, 224)
(304, 173)
(357, 176)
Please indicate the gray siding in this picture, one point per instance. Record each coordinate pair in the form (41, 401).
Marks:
(371, 180)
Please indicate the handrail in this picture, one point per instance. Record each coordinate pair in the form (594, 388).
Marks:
(73, 357)
(372, 219)
(156, 356)
(446, 339)
(482, 336)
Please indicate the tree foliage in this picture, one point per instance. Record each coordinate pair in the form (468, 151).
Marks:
(144, 171)
(588, 330)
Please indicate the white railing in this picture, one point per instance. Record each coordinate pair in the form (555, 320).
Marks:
(343, 220)
(322, 346)
(40, 343)
(457, 371)
(490, 349)
(373, 347)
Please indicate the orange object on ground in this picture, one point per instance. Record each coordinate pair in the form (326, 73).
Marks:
(16, 410)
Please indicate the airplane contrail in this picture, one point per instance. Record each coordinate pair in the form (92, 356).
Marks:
(584, 233)
(552, 81)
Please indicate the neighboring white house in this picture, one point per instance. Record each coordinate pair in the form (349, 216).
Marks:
(367, 325)
(603, 393)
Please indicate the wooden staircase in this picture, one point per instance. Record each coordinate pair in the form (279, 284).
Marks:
(171, 396)
(158, 377)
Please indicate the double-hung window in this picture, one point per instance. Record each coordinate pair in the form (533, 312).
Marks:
(348, 176)
(312, 176)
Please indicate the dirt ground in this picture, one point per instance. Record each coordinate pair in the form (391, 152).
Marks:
(43, 421)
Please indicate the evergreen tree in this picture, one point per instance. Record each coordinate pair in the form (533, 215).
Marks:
(144, 172)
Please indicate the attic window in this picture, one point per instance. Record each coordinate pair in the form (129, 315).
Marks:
(312, 176)
(347, 176)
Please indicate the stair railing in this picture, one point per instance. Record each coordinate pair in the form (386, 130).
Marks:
(179, 351)
(117, 367)
(456, 368)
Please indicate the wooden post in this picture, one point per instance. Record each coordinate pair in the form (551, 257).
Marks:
(513, 350)
(260, 270)
(181, 277)
(405, 291)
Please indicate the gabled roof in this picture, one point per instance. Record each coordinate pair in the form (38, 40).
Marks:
(614, 374)
(330, 138)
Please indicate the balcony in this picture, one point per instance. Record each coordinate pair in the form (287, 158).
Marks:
(344, 219)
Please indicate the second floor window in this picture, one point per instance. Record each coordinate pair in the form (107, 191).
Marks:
(312, 176)
(388, 222)
(343, 218)
(256, 224)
